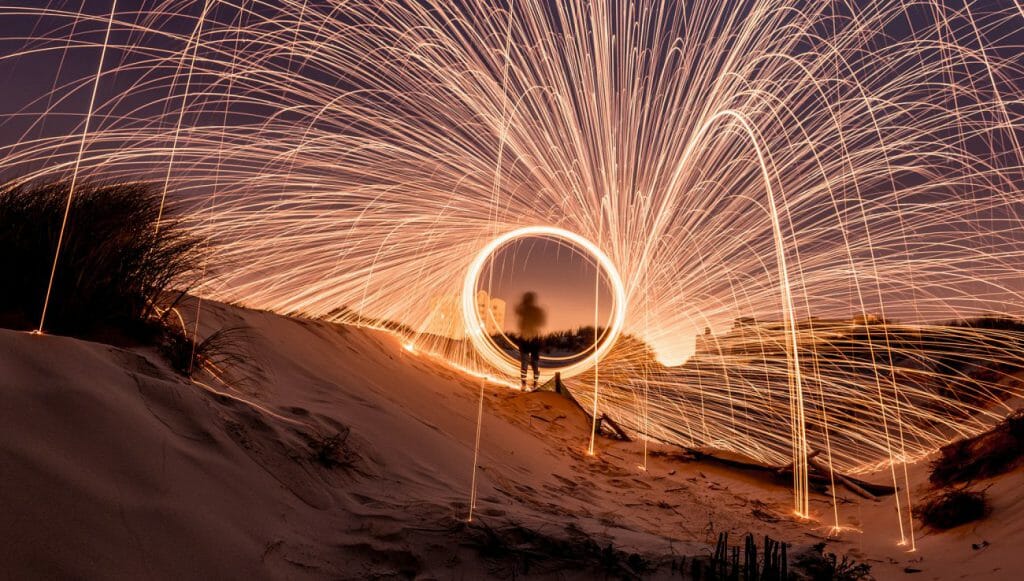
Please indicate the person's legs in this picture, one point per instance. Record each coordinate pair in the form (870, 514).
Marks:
(523, 356)
(535, 364)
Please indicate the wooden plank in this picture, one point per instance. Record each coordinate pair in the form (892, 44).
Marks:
(616, 428)
(789, 467)
(848, 483)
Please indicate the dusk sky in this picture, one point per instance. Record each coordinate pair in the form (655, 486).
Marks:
(562, 277)
(267, 127)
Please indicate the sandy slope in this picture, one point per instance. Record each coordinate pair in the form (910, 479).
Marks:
(115, 467)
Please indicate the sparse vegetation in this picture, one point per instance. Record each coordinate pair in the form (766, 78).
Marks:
(954, 508)
(993, 322)
(817, 565)
(331, 451)
(115, 265)
(123, 267)
(515, 550)
(223, 353)
(992, 453)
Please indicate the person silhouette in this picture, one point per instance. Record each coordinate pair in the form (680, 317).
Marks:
(530, 318)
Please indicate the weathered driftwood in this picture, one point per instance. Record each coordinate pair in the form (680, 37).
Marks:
(789, 467)
(616, 429)
(848, 482)
(818, 475)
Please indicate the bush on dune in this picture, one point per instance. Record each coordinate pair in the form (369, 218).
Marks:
(953, 508)
(115, 264)
(992, 453)
(517, 550)
(224, 353)
(992, 323)
(964, 461)
(817, 565)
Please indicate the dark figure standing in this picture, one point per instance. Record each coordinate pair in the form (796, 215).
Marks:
(530, 318)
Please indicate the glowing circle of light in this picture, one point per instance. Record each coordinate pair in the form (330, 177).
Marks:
(476, 330)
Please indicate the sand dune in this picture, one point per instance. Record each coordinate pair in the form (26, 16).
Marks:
(114, 467)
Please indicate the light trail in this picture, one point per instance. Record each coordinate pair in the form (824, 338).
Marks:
(613, 335)
(190, 52)
(476, 451)
(77, 166)
(476, 331)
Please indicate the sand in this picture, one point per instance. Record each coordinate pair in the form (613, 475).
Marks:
(115, 467)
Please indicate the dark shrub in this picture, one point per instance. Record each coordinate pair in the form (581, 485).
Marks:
(953, 508)
(515, 550)
(821, 566)
(992, 453)
(331, 451)
(223, 353)
(992, 322)
(115, 265)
